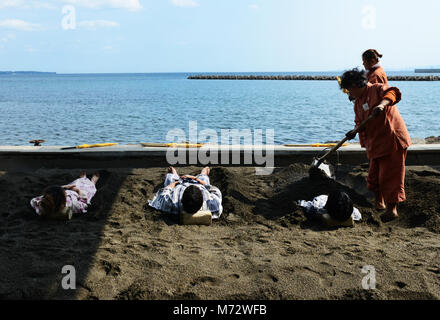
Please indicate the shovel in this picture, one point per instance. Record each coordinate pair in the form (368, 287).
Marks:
(320, 169)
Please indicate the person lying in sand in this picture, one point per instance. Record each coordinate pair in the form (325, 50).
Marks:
(188, 194)
(60, 202)
(333, 210)
(385, 137)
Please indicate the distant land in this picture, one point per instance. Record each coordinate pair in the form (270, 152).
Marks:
(26, 72)
(427, 70)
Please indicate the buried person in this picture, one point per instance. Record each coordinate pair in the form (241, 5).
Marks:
(386, 139)
(189, 196)
(333, 210)
(60, 202)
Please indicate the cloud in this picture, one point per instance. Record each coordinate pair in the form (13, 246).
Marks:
(98, 24)
(30, 49)
(132, 5)
(11, 3)
(8, 37)
(254, 6)
(19, 25)
(185, 3)
(26, 4)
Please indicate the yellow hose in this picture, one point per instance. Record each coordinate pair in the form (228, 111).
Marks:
(83, 146)
(315, 145)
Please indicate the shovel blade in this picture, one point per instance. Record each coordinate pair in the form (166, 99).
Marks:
(321, 171)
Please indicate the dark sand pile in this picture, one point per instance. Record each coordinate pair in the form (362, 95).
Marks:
(263, 246)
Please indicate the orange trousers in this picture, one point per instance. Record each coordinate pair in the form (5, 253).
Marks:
(387, 176)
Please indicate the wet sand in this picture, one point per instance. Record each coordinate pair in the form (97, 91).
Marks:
(263, 246)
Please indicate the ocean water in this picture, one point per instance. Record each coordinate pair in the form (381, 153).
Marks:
(132, 108)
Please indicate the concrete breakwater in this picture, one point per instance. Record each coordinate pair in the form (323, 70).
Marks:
(302, 77)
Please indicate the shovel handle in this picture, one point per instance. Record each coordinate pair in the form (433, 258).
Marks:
(356, 130)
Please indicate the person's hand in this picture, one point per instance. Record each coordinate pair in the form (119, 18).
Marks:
(351, 134)
(189, 177)
(378, 110)
(76, 189)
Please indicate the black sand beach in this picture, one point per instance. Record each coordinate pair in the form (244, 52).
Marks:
(262, 247)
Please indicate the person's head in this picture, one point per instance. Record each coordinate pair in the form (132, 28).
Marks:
(339, 206)
(370, 58)
(192, 199)
(53, 201)
(354, 81)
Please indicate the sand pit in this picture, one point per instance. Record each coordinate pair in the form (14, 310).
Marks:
(263, 246)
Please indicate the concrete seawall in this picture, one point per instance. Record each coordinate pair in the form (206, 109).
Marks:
(135, 156)
(302, 77)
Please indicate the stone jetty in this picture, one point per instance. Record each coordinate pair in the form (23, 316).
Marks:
(302, 77)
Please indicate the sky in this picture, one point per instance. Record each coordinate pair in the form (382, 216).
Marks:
(104, 36)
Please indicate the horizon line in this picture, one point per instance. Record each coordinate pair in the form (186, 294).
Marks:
(173, 72)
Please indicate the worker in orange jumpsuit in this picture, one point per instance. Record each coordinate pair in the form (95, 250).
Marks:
(386, 138)
(375, 74)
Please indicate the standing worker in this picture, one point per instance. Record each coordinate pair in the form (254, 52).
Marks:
(375, 72)
(386, 138)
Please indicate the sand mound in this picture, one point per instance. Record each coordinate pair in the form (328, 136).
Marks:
(275, 197)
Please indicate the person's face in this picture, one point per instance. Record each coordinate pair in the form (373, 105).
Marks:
(356, 92)
(369, 63)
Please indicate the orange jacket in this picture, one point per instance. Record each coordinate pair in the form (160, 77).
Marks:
(374, 75)
(377, 75)
(382, 134)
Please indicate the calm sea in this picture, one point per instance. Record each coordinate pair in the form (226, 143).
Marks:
(132, 108)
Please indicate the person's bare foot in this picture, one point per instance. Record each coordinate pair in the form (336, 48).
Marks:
(82, 174)
(95, 177)
(206, 171)
(380, 202)
(172, 170)
(390, 214)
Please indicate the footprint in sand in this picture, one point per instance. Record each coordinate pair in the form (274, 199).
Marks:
(110, 269)
(401, 284)
(271, 277)
(206, 279)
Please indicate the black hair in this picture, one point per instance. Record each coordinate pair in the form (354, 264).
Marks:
(192, 199)
(339, 206)
(371, 54)
(354, 78)
(53, 201)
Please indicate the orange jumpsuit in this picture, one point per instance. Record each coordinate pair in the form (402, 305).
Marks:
(386, 140)
(374, 75)
(377, 75)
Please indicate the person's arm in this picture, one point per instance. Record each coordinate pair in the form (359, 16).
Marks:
(389, 99)
(215, 202)
(172, 185)
(77, 206)
(216, 193)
